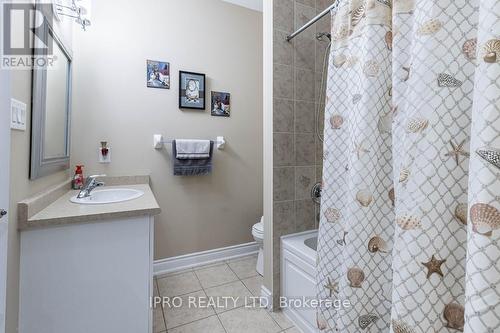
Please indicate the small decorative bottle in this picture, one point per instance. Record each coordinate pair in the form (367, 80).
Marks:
(104, 153)
(104, 149)
(77, 183)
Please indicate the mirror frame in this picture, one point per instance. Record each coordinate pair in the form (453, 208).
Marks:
(40, 166)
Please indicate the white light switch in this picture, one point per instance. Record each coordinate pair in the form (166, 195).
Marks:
(17, 115)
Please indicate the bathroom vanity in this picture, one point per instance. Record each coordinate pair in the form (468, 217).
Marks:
(87, 267)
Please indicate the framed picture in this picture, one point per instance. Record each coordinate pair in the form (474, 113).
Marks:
(158, 74)
(191, 90)
(221, 104)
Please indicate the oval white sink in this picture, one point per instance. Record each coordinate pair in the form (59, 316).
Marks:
(107, 196)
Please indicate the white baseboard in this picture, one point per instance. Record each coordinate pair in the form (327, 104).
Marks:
(266, 294)
(190, 260)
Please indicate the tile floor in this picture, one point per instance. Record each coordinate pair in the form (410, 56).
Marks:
(235, 277)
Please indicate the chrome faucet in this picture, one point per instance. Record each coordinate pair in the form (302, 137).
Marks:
(89, 186)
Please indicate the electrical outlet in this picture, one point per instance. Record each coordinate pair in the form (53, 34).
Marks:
(17, 115)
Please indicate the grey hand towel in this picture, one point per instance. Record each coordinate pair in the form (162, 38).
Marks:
(192, 167)
(192, 149)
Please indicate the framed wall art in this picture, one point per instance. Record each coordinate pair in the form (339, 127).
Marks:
(221, 104)
(157, 74)
(191, 90)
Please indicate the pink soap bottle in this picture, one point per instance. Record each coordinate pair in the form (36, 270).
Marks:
(77, 183)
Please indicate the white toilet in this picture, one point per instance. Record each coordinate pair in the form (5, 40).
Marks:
(258, 235)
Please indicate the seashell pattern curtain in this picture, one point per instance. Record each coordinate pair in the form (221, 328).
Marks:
(410, 211)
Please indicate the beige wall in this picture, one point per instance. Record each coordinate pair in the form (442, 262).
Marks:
(20, 186)
(111, 102)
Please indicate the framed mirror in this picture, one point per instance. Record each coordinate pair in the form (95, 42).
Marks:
(51, 109)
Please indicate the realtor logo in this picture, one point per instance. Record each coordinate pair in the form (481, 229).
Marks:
(26, 41)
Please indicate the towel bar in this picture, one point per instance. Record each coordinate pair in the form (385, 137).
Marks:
(159, 143)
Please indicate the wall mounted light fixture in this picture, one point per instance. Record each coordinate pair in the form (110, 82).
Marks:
(77, 9)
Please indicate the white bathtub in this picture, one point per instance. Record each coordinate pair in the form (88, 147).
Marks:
(298, 276)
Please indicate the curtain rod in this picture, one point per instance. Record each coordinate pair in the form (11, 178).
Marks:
(312, 21)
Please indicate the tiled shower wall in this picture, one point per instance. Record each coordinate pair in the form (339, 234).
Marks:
(297, 151)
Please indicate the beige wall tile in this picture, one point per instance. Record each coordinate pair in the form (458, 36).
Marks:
(320, 108)
(318, 78)
(319, 173)
(283, 15)
(321, 51)
(283, 115)
(304, 14)
(305, 118)
(322, 4)
(282, 49)
(310, 3)
(283, 183)
(283, 149)
(291, 216)
(324, 23)
(283, 81)
(304, 85)
(304, 215)
(304, 55)
(305, 149)
(283, 219)
(305, 178)
(319, 151)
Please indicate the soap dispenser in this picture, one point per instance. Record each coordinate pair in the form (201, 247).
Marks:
(77, 182)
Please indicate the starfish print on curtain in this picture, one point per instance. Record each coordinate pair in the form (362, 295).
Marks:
(434, 267)
(457, 151)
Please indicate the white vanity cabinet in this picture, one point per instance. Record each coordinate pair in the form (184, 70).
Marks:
(87, 278)
(87, 268)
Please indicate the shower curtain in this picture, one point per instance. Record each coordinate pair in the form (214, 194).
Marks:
(410, 220)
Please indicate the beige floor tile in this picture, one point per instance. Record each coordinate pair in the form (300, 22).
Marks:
(179, 284)
(177, 316)
(158, 321)
(248, 320)
(215, 275)
(207, 325)
(254, 284)
(155, 288)
(244, 267)
(238, 293)
(281, 319)
(292, 330)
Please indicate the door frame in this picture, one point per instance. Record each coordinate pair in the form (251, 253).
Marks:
(5, 98)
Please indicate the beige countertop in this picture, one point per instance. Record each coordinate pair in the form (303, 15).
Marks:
(64, 212)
